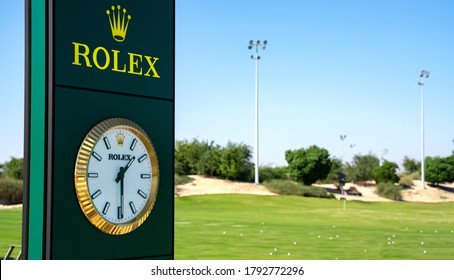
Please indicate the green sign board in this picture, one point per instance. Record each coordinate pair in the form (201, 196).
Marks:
(100, 130)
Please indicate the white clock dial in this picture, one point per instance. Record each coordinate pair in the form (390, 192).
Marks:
(119, 176)
(116, 176)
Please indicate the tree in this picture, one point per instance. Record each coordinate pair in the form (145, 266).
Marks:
(235, 162)
(362, 166)
(386, 173)
(232, 162)
(411, 165)
(308, 165)
(268, 173)
(336, 167)
(439, 170)
(196, 157)
(14, 168)
(208, 164)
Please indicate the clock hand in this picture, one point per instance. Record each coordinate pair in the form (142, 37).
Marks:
(128, 164)
(120, 178)
(121, 208)
(122, 172)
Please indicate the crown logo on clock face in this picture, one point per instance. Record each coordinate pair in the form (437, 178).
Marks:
(120, 139)
(119, 22)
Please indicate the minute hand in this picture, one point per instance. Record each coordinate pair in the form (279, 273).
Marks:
(122, 172)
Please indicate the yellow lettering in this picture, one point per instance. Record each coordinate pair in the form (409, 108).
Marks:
(115, 62)
(101, 58)
(151, 64)
(95, 58)
(134, 63)
(78, 54)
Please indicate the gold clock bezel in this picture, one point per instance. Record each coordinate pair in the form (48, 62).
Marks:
(81, 173)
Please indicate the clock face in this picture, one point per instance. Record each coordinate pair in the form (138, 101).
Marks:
(116, 176)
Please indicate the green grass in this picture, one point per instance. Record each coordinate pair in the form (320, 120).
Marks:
(252, 227)
(10, 230)
(262, 227)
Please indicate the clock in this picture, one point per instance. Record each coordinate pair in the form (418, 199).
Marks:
(116, 176)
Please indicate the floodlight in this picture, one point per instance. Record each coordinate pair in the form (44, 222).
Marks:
(256, 57)
(424, 74)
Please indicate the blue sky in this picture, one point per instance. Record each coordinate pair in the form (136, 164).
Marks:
(331, 68)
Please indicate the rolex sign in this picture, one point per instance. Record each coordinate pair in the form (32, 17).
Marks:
(100, 130)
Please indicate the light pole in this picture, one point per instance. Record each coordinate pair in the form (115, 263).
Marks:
(256, 56)
(424, 74)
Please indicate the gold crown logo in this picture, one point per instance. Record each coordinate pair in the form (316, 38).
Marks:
(120, 139)
(118, 23)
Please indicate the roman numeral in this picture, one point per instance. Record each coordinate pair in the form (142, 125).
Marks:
(96, 156)
(145, 176)
(142, 194)
(96, 194)
(133, 207)
(106, 142)
(92, 175)
(106, 208)
(133, 144)
(142, 158)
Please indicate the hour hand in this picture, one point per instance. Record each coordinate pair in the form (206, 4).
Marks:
(122, 172)
(120, 175)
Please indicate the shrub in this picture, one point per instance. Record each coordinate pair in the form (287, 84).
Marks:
(14, 168)
(196, 157)
(415, 175)
(389, 190)
(411, 165)
(288, 187)
(385, 173)
(361, 167)
(232, 162)
(10, 191)
(235, 162)
(308, 165)
(182, 179)
(267, 173)
(439, 170)
(336, 168)
(406, 180)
